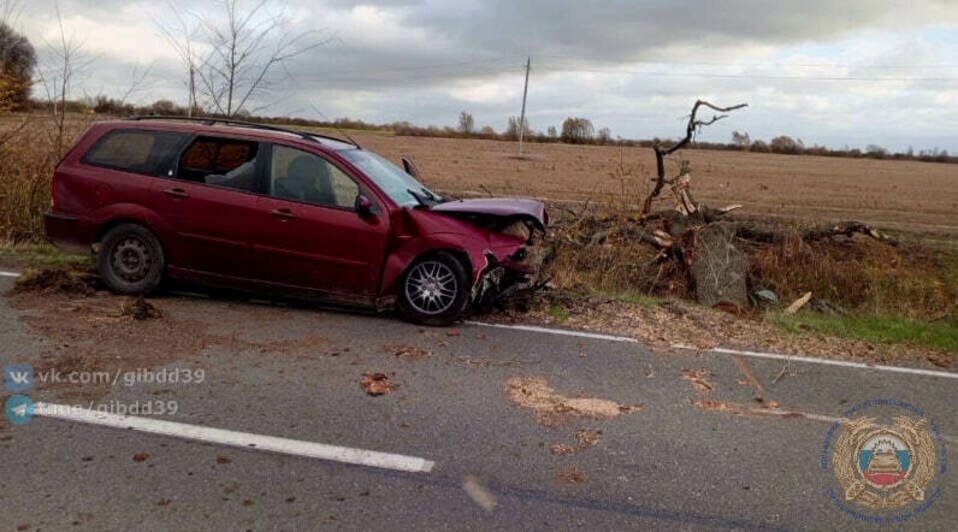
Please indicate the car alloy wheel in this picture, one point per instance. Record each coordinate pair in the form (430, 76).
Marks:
(431, 287)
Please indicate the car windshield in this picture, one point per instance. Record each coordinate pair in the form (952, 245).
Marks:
(393, 180)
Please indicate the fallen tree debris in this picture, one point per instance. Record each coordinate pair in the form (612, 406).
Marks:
(479, 494)
(572, 475)
(798, 303)
(555, 410)
(62, 279)
(406, 352)
(139, 309)
(699, 379)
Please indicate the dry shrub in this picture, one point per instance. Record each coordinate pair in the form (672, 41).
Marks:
(28, 157)
(858, 274)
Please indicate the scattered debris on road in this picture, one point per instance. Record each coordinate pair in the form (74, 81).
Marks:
(479, 494)
(139, 309)
(406, 352)
(554, 410)
(488, 363)
(57, 279)
(377, 384)
(586, 439)
(572, 475)
(750, 377)
(699, 378)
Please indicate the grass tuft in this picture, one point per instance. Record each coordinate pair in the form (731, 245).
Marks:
(877, 328)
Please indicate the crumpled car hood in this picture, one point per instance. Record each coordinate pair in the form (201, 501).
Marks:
(505, 207)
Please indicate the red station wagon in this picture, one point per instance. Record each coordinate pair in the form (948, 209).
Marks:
(291, 213)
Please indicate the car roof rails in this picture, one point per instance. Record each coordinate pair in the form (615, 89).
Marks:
(211, 120)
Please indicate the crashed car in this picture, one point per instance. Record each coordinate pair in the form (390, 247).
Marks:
(290, 213)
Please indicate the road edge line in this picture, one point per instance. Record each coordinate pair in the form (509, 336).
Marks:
(725, 350)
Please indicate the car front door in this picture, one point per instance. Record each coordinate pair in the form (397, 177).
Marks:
(310, 233)
(209, 199)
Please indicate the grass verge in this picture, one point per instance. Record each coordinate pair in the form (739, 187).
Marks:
(877, 328)
(26, 255)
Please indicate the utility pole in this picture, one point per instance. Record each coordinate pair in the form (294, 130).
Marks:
(522, 116)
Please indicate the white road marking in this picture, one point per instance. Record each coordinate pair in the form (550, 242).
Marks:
(563, 332)
(727, 351)
(244, 440)
(720, 350)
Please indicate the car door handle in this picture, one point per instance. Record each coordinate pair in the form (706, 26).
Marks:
(283, 214)
(176, 193)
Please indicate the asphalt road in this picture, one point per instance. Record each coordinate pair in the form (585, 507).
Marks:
(670, 465)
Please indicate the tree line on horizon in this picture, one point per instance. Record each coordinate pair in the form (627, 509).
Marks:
(18, 67)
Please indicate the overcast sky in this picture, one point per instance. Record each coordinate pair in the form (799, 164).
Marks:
(829, 72)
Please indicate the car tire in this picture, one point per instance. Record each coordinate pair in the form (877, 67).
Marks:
(132, 261)
(434, 290)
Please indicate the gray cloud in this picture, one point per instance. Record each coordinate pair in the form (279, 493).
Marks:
(426, 60)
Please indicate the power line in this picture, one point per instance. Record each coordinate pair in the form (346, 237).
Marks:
(746, 65)
(745, 76)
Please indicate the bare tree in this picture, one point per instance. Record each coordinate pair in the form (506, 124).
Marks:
(183, 38)
(65, 60)
(680, 183)
(467, 124)
(243, 51)
(10, 11)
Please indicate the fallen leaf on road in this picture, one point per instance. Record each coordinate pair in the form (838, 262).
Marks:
(223, 460)
(454, 333)
(377, 383)
(585, 438)
(588, 438)
(562, 449)
(140, 457)
(942, 360)
(572, 475)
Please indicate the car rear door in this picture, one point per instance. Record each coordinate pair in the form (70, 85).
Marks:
(209, 198)
(309, 232)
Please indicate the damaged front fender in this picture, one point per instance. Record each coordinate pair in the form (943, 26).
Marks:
(501, 255)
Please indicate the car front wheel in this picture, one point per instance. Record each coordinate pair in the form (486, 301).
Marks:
(434, 290)
(131, 260)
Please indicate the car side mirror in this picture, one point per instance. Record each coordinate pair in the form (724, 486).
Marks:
(411, 168)
(363, 205)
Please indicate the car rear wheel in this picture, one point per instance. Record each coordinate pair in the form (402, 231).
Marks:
(131, 260)
(435, 290)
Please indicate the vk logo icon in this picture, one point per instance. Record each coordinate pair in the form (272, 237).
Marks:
(19, 409)
(19, 377)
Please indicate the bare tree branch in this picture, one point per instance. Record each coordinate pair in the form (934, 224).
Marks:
(245, 49)
(690, 129)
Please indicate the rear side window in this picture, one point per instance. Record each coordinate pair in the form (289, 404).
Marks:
(222, 162)
(134, 150)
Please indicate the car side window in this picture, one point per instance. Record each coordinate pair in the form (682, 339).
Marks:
(302, 176)
(134, 150)
(221, 162)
